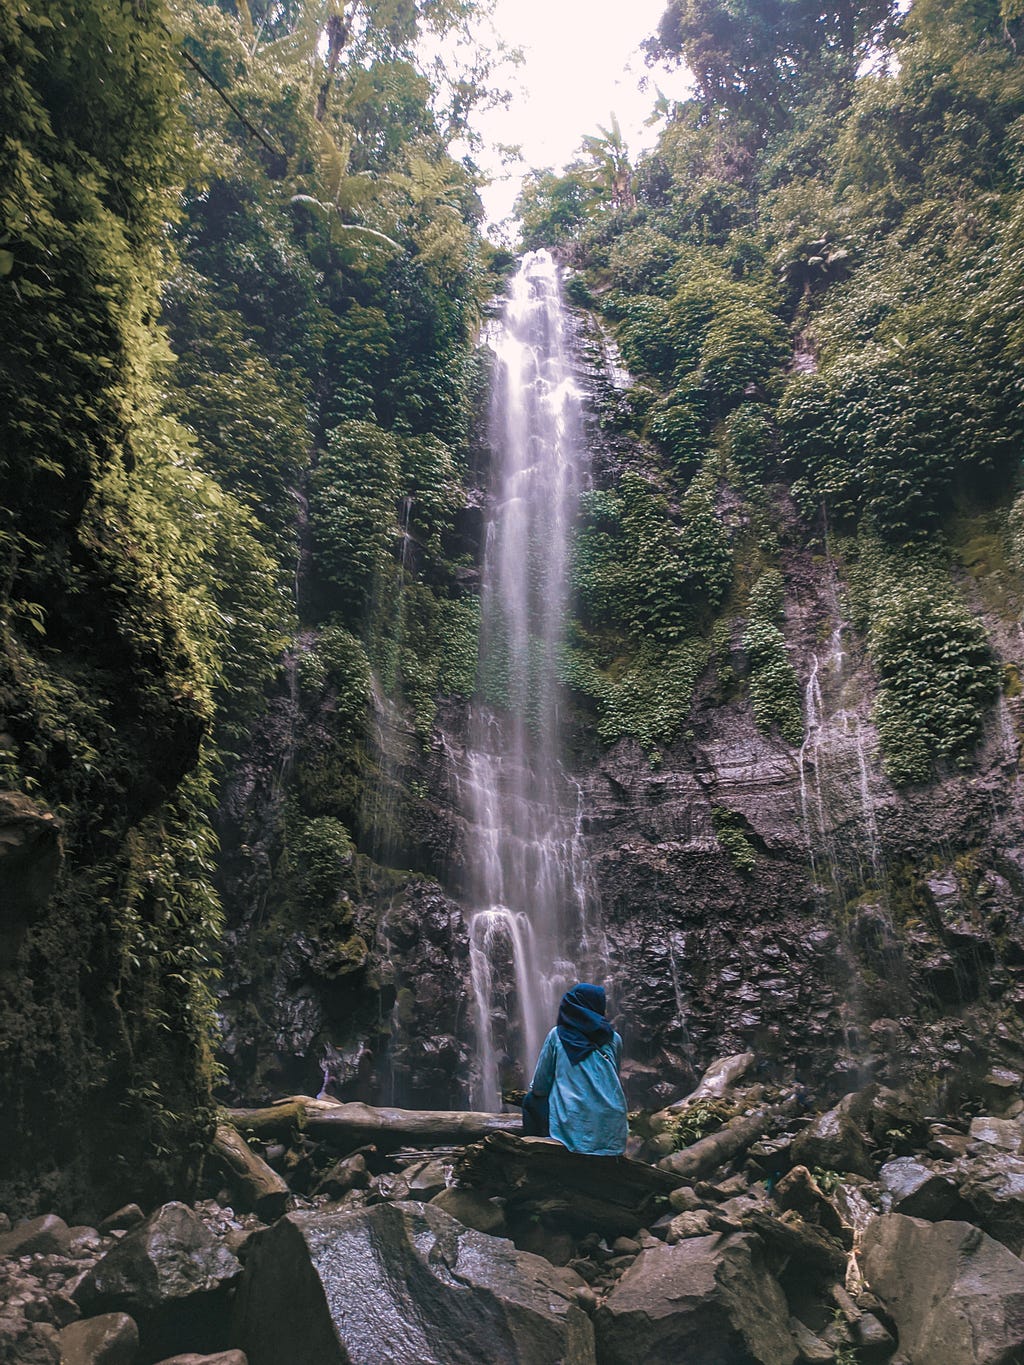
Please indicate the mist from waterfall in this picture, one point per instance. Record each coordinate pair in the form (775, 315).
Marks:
(532, 922)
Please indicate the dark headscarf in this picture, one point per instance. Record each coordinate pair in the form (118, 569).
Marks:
(582, 1026)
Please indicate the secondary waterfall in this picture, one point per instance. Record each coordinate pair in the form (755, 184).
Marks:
(532, 921)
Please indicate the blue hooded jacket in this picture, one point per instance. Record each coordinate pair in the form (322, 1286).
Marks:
(578, 1070)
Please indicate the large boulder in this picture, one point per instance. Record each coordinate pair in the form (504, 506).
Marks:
(403, 1284)
(918, 1190)
(833, 1142)
(110, 1339)
(993, 1188)
(707, 1299)
(955, 1294)
(45, 1236)
(171, 1275)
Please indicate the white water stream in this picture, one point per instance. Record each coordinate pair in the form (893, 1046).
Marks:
(532, 925)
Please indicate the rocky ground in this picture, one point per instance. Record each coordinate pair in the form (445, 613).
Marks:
(748, 1229)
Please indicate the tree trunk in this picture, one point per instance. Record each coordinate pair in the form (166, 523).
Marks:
(705, 1156)
(353, 1124)
(264, 1189)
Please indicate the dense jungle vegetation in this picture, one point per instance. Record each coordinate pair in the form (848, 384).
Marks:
(815, 279)
(242, 274)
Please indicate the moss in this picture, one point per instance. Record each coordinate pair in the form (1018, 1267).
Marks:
(731, 830)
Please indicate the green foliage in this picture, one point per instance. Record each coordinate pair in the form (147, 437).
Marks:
(749, 441)
(731, 833)
(640, 260)
(699, 1120)
(319, 853)
(774, 690)
(354, 491)
(937, 676)
(647, 695)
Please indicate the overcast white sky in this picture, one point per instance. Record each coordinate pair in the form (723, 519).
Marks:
(582, 61)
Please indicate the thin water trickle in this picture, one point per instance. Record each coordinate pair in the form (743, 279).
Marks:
(532, 925)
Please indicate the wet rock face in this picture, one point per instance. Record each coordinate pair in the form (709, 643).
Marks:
(170, 1275)
(705, 1298)
(955, 1294)
(340, 1289)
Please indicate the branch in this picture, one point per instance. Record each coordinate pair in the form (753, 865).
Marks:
(261, 138)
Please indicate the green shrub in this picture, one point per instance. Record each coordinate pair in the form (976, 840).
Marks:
(774, 690)
(937, 676)
(354, 489)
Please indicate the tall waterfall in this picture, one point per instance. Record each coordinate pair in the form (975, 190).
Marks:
(532, 920)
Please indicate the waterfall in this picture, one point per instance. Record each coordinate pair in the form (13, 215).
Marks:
(532, 922)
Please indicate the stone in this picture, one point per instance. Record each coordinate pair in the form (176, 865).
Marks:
(706, 1299)
(171, 1275)
(351, 1173)
(833, 1142)
(917, 1190)
(219, 1358)
(955, 1294)
(947, 1143)
(874, 1342)
(1006, 1134)
(811, 1347)
(892, 1121)
(1001, 1088)
(798, 1190)
(333, 1288)
(993, 1189)
(694, 1223)
(122, 1220)
(625, 1246)
(44, 1236)
(110, 1339)
(684, 1200)
(27, 1343)
(805, 1247)
(472, 1209)
(429, 1179)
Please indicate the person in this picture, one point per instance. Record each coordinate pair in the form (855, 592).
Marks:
(577, 1074)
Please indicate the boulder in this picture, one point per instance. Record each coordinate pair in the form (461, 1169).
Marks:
(171, 1276)
(811, 1347)
(707, 1299)
(833, 1142)
(955, 1294)
(27, 1343)
(122, 1219)
(917, 1190)
(351, 1173)
(993, 1188)
(46, 1236)
(1005, 1134)
(799, 1191)
(695, 1223)
(110, 1339)
(472, 1209)
(403, 1284)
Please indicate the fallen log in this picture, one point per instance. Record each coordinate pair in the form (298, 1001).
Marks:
(275, 1121)
(701, 1158)
(263, 1188)
(610, 1194)
(353, 1124)
(719, 1078)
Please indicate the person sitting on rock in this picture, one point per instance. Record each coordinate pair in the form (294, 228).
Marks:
(578, 1075)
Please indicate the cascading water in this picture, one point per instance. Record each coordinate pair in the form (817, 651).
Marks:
(532, 925)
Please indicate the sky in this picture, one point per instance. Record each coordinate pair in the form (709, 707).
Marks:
(582, 62)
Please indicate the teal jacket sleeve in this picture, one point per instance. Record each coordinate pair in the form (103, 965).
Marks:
(544, 1075)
